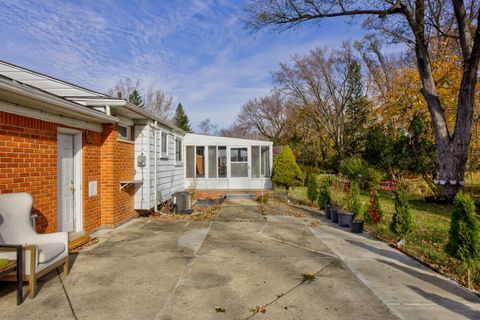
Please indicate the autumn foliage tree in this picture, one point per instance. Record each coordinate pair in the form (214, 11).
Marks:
(417, 24)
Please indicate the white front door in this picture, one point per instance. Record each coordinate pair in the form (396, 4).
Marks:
(66, 183)
(239, 168)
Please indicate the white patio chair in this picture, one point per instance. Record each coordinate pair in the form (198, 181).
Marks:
(42, 252)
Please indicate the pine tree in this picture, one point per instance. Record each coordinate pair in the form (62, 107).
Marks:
(354, 203)
(312, 187)
(286, 172)
(464, 237)
(181, 119)
(357, 112)
(136, 99)
(325, 195)
(402, 217)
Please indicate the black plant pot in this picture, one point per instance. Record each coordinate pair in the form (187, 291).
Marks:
(345, 219)
(356, 227)
(334, 214)
(328, 211)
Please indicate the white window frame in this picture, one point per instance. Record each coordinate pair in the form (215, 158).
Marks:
(178, 161)
(129, 132)
(164, 154)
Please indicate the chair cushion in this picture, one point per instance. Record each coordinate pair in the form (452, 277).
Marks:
(48, 251)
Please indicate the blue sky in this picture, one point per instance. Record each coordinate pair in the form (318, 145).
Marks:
(197, 50)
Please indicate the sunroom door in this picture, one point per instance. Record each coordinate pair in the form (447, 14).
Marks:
(239, 168)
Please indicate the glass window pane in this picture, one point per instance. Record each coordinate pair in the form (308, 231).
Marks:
(265, 161)
(178, 151)
(190, 162)
(200, 162)
(212, 162)
(255, 162)
(239, 169)
(164, 143)
(239, 155)
(123, 132)
(222, 162)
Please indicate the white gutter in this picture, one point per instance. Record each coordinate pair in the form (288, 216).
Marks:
(94, 102)
(49, 98)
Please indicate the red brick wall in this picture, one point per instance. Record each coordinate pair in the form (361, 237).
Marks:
(28, 163)
(117, 165)
(91, 161)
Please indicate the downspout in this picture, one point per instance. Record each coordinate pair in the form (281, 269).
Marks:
(155, 165)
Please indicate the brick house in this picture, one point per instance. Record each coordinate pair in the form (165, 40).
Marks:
(90, 161)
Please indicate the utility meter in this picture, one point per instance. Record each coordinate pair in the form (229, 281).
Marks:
(141, 160)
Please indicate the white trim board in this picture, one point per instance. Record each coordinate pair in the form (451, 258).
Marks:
(45, 116)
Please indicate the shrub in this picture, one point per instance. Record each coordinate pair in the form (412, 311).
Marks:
(286, 172)
(354, 204)
(375, 211)
(401, 224)
(312, 187)
(263, 198)
(356, 169)
(464, 236)
(325, 195)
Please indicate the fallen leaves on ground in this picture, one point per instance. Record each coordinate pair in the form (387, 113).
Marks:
(220, 310)
(84, 246)
(258, 309)
(308, 277)
(277, 208)
(198, 214)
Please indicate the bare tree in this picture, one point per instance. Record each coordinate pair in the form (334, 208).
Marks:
(206, 126)
(156, 101)
(414, 22)
(319, 81)
(267, 115)
(124, 87)
(236, 131)
(159, 103)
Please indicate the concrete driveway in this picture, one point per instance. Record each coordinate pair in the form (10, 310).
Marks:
(242, 263)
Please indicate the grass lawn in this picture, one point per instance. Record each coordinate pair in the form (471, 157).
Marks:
(431, 223)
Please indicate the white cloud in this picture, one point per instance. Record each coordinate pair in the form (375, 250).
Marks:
(197, 50)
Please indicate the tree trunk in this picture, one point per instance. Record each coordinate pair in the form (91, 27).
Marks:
(452, 159)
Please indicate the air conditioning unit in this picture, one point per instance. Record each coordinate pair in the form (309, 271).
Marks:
(182, 202)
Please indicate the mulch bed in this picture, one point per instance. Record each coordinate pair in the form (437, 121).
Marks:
(198, 214)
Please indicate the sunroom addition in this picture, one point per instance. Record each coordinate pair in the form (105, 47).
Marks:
(220, 163)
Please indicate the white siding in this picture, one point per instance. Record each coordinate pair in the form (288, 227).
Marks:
(169, 177)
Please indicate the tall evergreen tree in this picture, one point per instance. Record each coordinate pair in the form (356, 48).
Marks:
(357, 112)
(136, 99)
(181, 119)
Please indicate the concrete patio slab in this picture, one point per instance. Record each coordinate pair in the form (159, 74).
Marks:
(409, 289)
(241, 262)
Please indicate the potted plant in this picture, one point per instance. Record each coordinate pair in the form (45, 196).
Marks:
(324, 197)
(357, 223)
(337, 206)
(356, 208)
(345, 218)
